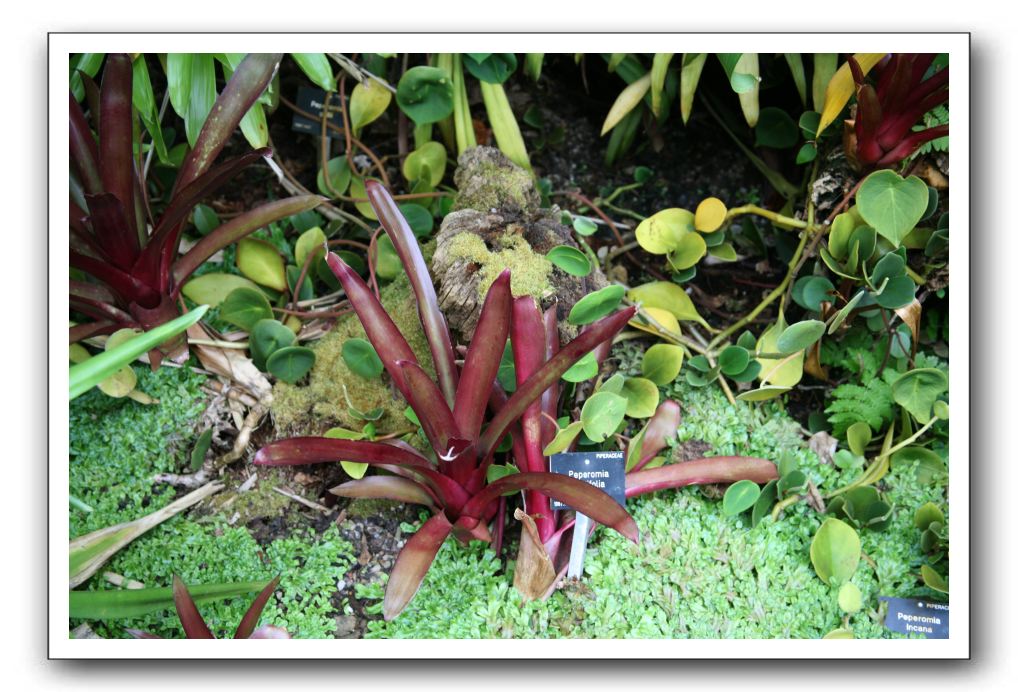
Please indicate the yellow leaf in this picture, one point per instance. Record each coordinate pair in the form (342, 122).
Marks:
(628, 100)
(842, 86)
(663, 319)
(710, 214)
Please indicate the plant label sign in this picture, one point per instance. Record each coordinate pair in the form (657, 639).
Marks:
(917, 616)
(312, 101)
(603, 470)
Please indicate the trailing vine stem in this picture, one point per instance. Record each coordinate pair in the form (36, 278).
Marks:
(810, 230)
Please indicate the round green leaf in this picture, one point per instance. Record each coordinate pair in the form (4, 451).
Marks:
(835, 551)
(739, 497)
(930, 467)
(601, 415)
(584, 226)
(662, 363)
(387, 262)
(212, 289)
(427, 162)
(291, 363)
(899, 292)
(749, 373)
(733, 360)
(928, 514)
(917, 390)
(849, 597)
(244, 307)
(891, 204)
(339, 176)
(799, 336)
(596, 305)
(815, 290)
(420, 219)
(570, 260)
(642, 397)
(776, 129)
(259, 261)
(360, 356)
(267, 337)
(425, 94)
(205, 219)
(890, 266)
(583, 369)
(493, 68)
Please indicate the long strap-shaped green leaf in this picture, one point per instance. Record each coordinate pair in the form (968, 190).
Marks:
(86, 375)
(125, 603)
(86, 554)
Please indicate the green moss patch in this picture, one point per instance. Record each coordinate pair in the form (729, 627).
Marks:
(530, 270)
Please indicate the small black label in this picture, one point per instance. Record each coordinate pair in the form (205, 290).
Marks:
(603, 470)
(312, 101)
(917, 616)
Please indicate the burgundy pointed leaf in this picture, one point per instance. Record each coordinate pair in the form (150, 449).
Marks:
(96, 292)
(386, 488)
(113, 229)
(413, 563)
(165, 235)
(382, 332)
(405, 242)
(80, 332)
(602, 330)
(662, 426)
(192, 621)
(910, 144)
(319, 450)
(84, 153)
(483, 358)
(436, 418)
(549, 400)
(698, 471)
(250, 619)
(92, 97)
(99, 309)
(237, 228)
(122, 283)
(245, 86)
(116, 135)
(582, 496)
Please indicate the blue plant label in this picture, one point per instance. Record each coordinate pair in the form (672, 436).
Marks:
(604, 470)
(917, 616)
(312, 101)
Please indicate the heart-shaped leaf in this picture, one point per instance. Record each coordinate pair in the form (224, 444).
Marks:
(425, 94)
(917, 390)
(601, 415)
(891, 204)
(291, 363)
(660, 234)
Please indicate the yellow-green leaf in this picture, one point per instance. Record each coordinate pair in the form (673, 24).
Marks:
(661, 233)
(368, 101)
(669, 297)
(658, 72)
(785, 371)
(260, 262)
(627, 100)
(310, 240)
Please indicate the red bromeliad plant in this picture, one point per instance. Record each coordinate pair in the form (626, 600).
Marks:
(544, 548)
(887, 111)
(195, 626)
(454, 416)
(137, 274)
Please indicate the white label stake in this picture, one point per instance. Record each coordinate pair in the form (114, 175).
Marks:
(581, 529)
